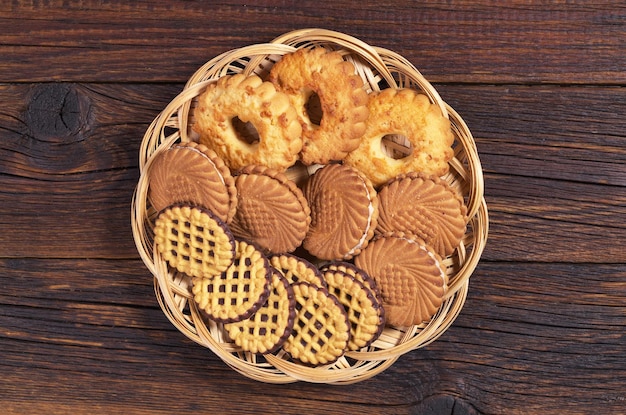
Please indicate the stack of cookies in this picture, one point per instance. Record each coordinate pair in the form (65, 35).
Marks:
(309, 213)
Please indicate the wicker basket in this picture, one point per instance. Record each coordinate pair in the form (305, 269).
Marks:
(379, 68)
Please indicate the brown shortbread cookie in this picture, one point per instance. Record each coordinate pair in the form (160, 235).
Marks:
(344, 212)
(411, 277)
(271, 212)
(425, 206)
(191, 173)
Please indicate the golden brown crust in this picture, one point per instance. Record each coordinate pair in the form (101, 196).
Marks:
(410, 275)
(251, 100)
(342, 98)
(407, 113)
(425, 206)
(271, 210)
(192, 173)
(344, 212)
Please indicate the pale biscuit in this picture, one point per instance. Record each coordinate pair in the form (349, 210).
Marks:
(270, 326)
(321, 331)
(194, 241)
(297, 269)
(240, 290)
(365, 313)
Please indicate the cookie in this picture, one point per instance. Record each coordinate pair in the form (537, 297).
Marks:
(411, 277)
(240, 290)
(344, 212)
(247, 121)
(321, 330)
(270, 326)
(192, 174)
(425, 206)
(424, 134)
(357, 273)
(365, 313)
(321, 76)
(194, 241)
(271, 210)
(297, 269)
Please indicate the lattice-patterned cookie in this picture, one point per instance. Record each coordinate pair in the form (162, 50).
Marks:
(321, 331)
(238, 292)
(366, 314)
(267, 329)
(357, 273)
(194, 241)
(297, 269)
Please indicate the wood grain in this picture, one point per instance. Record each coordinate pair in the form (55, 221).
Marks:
(91, 41)
(540, 86)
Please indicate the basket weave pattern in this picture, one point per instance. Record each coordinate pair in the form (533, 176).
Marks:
(379, 68)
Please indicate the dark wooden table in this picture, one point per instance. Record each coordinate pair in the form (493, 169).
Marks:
(542, 89)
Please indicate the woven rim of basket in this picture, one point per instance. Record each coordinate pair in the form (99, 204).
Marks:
(378, 67)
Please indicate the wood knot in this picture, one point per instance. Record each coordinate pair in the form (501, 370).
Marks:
(443, 405)
(58, 113)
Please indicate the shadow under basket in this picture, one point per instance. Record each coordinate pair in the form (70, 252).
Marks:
(379, 68)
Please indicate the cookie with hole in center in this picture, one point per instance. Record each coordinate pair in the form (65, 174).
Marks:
(240, 290)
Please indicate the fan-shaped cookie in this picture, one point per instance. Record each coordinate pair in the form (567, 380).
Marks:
(271, 210)
(194, 241)
(344, 212)
(410, 275)
(240, 290)
(425, 206)
(191, 173)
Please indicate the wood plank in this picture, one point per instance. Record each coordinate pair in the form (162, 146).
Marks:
(469, 42)
(539, 338)
(549, 167)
